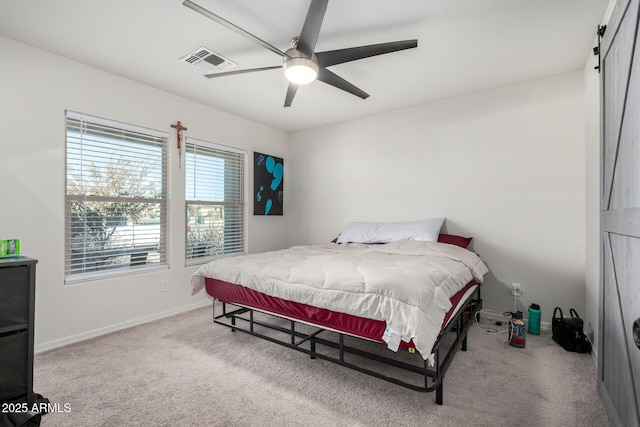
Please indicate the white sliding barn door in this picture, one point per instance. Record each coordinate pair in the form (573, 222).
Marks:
(619, 344)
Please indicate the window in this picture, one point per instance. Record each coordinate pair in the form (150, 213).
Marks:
(116, 198)
(215, 201)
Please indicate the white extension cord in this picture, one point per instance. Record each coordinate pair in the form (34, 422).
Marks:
(505, 319)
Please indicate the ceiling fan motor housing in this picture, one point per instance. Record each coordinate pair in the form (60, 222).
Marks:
(298, 68)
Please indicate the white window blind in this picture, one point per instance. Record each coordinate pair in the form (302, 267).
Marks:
(116, 203)
(215, 201)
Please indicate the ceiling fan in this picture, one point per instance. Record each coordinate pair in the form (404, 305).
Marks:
(301, 64)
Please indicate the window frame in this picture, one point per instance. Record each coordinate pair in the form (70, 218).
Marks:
(163, 246)
(241, 204)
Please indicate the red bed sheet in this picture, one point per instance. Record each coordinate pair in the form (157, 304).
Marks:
(346, 323)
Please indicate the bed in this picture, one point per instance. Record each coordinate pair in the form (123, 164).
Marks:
(408, 295)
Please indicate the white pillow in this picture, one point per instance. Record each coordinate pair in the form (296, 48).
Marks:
(384, 232)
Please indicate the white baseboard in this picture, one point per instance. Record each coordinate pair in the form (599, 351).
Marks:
(594, 356)
(116, 327)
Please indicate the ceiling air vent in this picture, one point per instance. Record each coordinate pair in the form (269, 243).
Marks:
(207, 60)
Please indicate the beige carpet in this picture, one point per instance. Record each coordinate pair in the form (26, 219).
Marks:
(186, 371)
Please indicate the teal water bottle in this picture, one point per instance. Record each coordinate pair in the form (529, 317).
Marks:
(534, 319)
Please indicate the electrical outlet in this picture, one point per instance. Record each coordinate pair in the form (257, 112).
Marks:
(516, 290)
(164, 287)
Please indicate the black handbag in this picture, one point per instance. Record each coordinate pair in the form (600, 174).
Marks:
(569, 333)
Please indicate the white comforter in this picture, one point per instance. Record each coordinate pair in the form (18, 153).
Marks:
(408, 284)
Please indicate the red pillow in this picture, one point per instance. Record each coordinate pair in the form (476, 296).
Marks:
(452, 239)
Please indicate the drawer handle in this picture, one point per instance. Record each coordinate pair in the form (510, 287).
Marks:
(636, 332)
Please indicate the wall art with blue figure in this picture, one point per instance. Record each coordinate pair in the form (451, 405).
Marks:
(268, 172)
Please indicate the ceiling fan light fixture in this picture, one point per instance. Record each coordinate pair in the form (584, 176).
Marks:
(300, 70)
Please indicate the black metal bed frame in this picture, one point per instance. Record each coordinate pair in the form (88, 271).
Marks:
(293, 338)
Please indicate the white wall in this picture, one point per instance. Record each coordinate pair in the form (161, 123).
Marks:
(592, 206)
(506, 166)
(36, 88)
(592, 203)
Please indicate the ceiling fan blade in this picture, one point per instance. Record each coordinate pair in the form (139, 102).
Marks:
(333, 79)
(224, 22)
(333, 57)
(311, 27)
(291, 92)
(248, 70)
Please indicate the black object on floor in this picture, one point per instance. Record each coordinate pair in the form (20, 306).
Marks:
(21, 414)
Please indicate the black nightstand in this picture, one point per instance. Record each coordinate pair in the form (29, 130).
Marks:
(17, 306)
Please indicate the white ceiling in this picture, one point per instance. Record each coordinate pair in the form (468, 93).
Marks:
(463, 46)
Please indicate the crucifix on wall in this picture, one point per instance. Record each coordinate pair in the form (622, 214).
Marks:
(179, 128)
